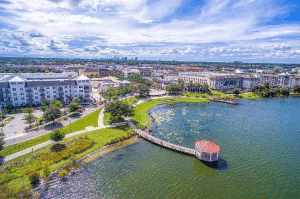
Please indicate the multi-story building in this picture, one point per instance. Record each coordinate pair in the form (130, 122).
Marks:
(96, 72)
(220, 81)
(16, 90)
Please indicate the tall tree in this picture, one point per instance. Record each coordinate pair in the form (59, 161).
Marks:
(73, 107)
(52, 113)
(267, 85)
(43, 108)
(205, 87)
(296, 88)
(57, 136)
(56, 103)
(236, 92)
(118, 109)
(173, 88)
(28, 110)
(143, 90)
(46, 102)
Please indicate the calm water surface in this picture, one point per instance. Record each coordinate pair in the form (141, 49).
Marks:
(260, 156)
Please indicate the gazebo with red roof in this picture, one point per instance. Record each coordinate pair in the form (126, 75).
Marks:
(207, 151)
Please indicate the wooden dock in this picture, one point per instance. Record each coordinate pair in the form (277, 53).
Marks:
(162, 143)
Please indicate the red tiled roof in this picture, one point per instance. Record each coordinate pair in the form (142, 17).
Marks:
(207, 146)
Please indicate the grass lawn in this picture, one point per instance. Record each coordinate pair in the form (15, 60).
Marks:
(249, 96)
(106, 118)
(204, 95)
(214, 92)
(80, 124)
(12, 173)
(142, 120)
(16, 112)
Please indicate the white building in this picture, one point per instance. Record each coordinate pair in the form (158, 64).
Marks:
(16, 90)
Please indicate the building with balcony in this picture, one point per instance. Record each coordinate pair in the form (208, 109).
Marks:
(16, 90)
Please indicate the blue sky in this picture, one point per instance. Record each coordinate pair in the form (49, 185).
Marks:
(186, 30)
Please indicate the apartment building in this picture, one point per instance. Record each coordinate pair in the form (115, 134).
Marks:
(16, 90)
(223, 81)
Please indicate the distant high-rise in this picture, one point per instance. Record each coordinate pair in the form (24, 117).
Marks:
(125, 59)
(136, 58)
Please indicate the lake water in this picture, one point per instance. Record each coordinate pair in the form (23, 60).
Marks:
(259, 156)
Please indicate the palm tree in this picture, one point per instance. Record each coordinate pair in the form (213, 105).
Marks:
(28, 110)
(43, 108)
(205, 87)
(29, 118)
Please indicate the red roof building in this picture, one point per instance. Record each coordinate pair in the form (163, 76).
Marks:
(207, 151)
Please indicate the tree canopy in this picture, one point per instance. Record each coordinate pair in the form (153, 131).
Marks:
(143, 90)
(119, 108)
(52, 113)
(57, 135)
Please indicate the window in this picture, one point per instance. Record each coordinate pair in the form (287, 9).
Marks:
(54, 91)
(79, 81)
(14, 89)
(70, 87)
(75, 86)
(36, 97)
(75, 95)
(80, 86)
(15, 98)
(66, 86)
(66, 91)
(13, 83)
(22, 93)
(53, 87)
(81, 91)
(21, 89)
(54, 96)
(20, 82)
(48, 92)
(87, 81)
(22, 98)
(15, 94)
(47, 87)
(35, 88)
(48, 96)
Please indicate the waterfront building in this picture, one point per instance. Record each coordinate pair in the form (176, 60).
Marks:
(16, 90)
(207, 151)
(224, 81)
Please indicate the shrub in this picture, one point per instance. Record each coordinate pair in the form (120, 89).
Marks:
(34, 178)
(57, 147)
(63, 173)
(40, 120)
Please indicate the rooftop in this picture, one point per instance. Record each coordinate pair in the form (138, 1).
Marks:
(207, 146)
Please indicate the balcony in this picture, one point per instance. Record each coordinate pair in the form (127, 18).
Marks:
(28, 90)
(42, 90)
(42, 94)
(60, 89)
(61, 93)
(86, 87)
(29, 95)
(86, 91)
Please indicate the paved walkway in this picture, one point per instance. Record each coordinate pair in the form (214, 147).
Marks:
(37, 133)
